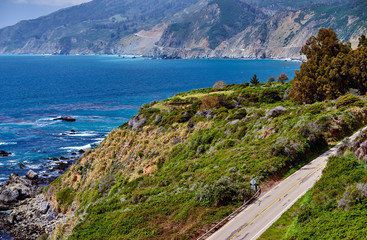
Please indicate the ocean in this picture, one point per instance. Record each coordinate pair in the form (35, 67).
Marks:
(101, 93)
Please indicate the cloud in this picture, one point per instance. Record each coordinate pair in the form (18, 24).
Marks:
(51, 2)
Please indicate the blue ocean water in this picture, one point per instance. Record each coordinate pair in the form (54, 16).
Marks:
(100, 92)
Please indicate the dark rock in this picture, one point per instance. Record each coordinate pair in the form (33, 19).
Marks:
(62, 166)
(136, 123)
(63, 158)
(53, 159)
(81, 151)
(21, 165)
(66, 119)
(9, 196)
(4, 154)
(15, 179)
(205, 113)
(31, 175)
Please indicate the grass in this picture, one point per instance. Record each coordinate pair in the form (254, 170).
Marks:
(287, 222)
(174, 178)
(322, 212)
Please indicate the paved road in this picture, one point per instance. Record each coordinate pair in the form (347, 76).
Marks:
(261, 214)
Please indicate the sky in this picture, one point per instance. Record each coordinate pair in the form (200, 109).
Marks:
(13, 11)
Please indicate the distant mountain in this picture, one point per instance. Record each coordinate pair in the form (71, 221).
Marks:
(96, 27)
(186, 28)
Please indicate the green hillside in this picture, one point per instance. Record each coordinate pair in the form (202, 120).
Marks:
(184, 163)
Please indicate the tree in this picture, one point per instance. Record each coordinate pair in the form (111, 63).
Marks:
(254, 80)
(318, 79)
(271, 79)
(282, 78)
(355, 68)
(362, 41)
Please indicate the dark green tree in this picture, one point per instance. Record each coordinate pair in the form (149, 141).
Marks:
(254, 80)
(362, 41)
(317, 80)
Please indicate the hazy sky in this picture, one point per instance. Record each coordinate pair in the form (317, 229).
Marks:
(13, 11)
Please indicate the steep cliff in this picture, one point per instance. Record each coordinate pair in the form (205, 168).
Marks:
(269, 34)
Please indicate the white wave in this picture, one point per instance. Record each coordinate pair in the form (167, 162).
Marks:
(84, 134)
(98, 140)
(85, 147)
(46, 119)
(8, 143)
(34, 166)
(45, 122)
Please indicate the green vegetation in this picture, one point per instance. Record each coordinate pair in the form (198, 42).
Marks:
(335, 208)
(190, 161)
(254, 80)
(184, 163)
(331, 70)
(65, 197)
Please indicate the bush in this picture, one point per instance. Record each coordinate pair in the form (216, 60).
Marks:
(65, 197)
(209, 102)
(271, 79)
(282, 78)
(348, 101)
(220, 85)
(270, 95)
(223, 191)
(315, 108)
(241, 113)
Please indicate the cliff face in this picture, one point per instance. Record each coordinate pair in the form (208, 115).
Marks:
(280, 35)
(183, 163)
(186, 29)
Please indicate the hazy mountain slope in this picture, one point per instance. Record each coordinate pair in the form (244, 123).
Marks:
(278, 36)
(92, 27)
(186, 29)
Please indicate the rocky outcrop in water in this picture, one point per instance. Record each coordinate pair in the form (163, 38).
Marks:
(66, 119)
(4, 154)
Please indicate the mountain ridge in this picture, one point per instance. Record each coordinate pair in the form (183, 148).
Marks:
(185, 29)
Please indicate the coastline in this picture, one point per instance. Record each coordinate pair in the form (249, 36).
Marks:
(138, 56)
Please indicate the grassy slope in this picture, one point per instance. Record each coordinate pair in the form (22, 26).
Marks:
(317, 215)
(182, 172)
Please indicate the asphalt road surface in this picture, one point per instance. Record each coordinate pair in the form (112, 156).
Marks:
(263, 212)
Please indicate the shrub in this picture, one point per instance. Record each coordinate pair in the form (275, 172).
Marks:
(223, 191)
(315, 108)
(215, 101)
(271, 79)
(241, 113)
(220, 85)
(282, 78)
(270, 95)
(65, 197)
(209, 102)
(348, 101)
